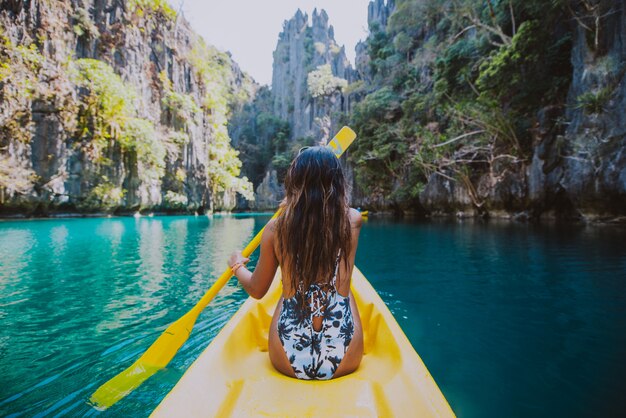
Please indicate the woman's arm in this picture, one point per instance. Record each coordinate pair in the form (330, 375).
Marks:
(258, 282)
(356, 220)
(345, 272)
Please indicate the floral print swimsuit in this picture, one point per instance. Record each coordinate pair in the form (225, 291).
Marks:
(316, 354)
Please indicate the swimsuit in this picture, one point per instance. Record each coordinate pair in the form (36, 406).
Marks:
(316, 354)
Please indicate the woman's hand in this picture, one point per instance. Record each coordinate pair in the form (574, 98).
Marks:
(257, 283)
(237, 257)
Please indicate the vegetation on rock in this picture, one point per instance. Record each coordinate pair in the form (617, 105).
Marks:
(107, 116)
(20, 67)
(321, 82)
(456, 87)
(141, 7)
(79, 128)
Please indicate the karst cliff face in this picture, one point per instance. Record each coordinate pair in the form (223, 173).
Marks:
(582, 171)
(301, 49)
(118, 106)
(304, 105)
(576, 168)
(378, 12)
(113, 105)
(462, 108)
(571, 158)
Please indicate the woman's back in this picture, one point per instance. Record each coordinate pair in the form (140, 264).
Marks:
(316, 330)
(316, 336)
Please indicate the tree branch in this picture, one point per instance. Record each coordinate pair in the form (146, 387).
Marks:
(465, 135)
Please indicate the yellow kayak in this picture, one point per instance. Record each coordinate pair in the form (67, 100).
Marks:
(365, 213)
(233, 377)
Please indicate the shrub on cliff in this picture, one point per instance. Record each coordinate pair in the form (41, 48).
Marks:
(457, 85)
(321, 82)
(107, 115)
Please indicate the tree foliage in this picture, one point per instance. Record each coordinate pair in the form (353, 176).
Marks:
(321, 82)
(455, 82)
(20, 66)
(107, 115)
(221, 94)
(142, 7)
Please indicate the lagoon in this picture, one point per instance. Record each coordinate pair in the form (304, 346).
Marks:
(511, 319)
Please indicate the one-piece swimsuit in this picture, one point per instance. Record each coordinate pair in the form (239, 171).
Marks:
(316, 354)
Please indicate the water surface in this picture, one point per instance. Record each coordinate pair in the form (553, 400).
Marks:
(511, 320)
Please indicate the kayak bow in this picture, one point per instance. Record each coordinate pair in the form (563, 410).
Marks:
(234, 376)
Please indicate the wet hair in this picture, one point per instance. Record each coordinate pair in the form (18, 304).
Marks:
(314, 227)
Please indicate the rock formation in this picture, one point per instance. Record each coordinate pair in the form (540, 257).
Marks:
(582, 171)
(575, 172)
(151, 100)
(378, 12)
(300, 50)
(306, 100)
(573, 166)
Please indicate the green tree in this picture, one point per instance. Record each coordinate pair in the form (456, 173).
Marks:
(321, 82)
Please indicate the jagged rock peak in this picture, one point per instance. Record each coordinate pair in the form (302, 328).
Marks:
(301, 49)
(297, 24)
(321, 31)
(320, 19)
(379, 12)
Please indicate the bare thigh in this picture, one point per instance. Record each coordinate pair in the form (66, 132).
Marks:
(278, 357)
(354, 353)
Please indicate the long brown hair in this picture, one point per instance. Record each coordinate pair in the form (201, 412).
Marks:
(314, 227)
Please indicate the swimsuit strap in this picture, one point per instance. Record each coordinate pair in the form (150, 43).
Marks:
(333, 281)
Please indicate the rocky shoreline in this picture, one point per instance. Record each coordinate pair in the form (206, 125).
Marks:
(460, 216)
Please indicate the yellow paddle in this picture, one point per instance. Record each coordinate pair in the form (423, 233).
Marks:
(165, 347)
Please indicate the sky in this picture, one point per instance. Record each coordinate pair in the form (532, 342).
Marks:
(249, 28)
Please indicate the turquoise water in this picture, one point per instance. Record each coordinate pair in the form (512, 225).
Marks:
(512, 320)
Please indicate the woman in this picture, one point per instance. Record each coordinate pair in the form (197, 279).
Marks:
(316, 330)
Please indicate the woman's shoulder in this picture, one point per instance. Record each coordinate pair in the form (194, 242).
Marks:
(356, 220)
(270, 227)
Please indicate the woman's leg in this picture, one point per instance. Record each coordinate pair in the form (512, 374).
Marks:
(354, 353)
(277, 352)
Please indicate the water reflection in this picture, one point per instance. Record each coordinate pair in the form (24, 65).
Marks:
(176, 238)
(15, 257)
(151, 254)
(225, 235)
(517, 318)
(58, 238)
(111, 232)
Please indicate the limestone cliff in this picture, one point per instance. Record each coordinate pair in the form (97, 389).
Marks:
(304, 106)
(378, 12)
(453, 120)
(577, 167)
(113, 105)
(582, 171)
(301, 49)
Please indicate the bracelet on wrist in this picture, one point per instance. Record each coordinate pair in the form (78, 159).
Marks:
(235, 267)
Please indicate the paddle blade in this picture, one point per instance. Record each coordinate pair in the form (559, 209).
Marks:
(341, 141)
(154, 359)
